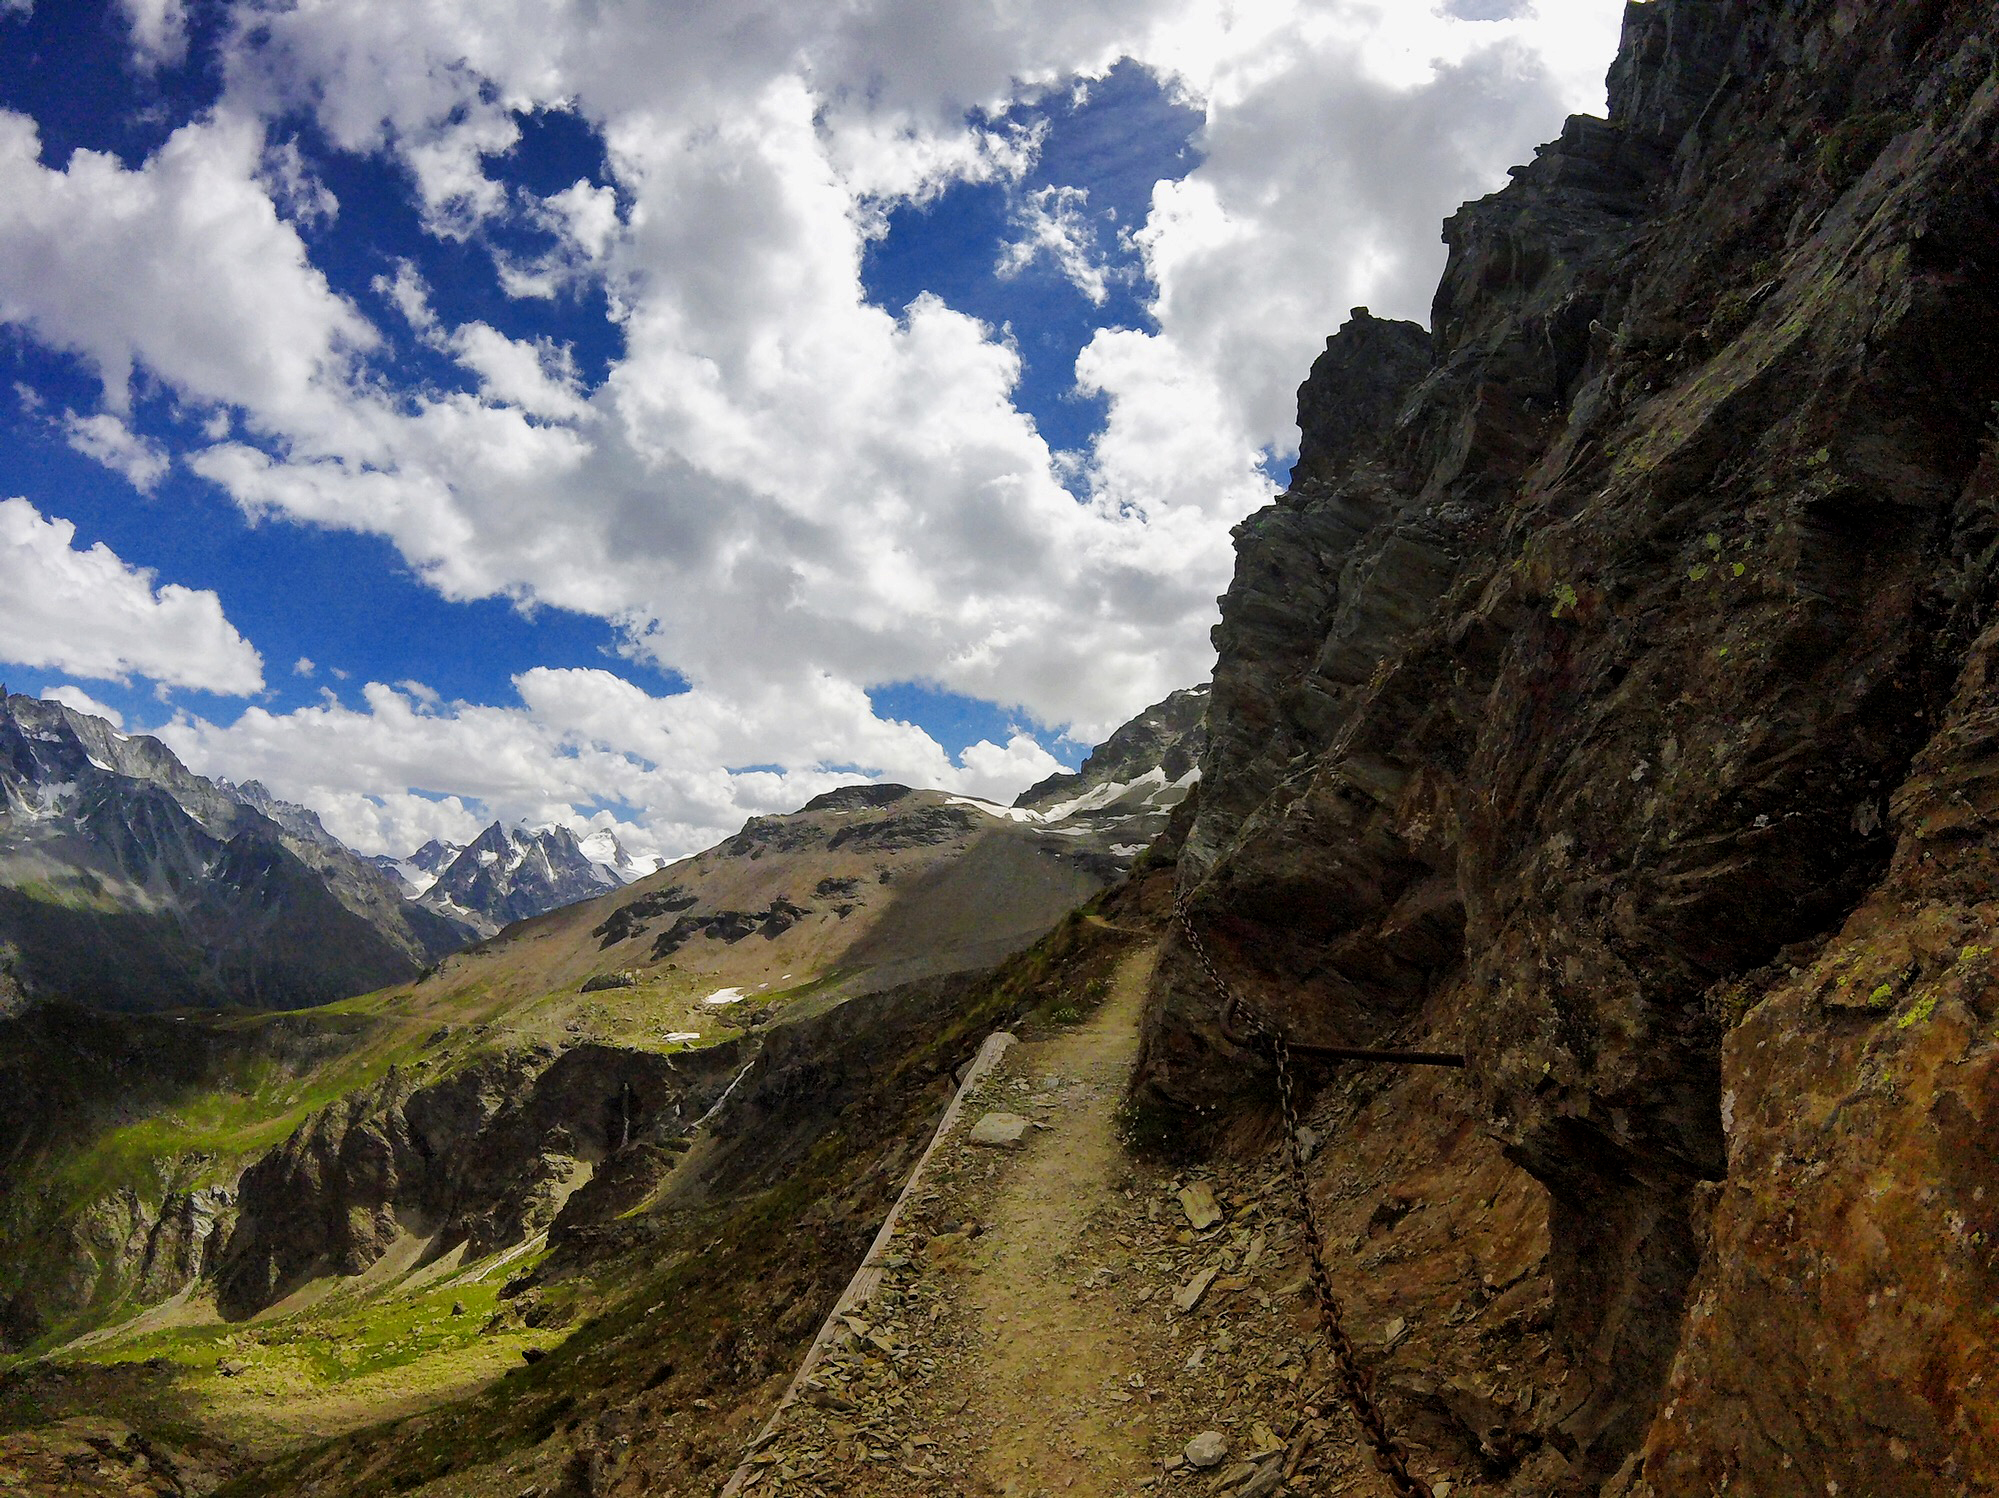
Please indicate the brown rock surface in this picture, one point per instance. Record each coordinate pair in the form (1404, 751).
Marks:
(1570, 704)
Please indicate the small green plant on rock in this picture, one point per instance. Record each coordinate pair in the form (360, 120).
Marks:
(1850, 147)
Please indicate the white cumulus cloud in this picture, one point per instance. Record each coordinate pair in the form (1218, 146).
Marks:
(159, 31)
(83, 702)
(100, 260)
(90, 614)
(407, 766)
(104, 437)
(1053, 223)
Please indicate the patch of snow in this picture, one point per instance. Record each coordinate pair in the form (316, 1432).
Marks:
(604, 850)
(414, 879)
(445, 905)
(98, 764)
(47, 799)
(993, 809)
(723, 996)
(1127, 850)
(683, 1036)
(1177, 791)
(1107, 794)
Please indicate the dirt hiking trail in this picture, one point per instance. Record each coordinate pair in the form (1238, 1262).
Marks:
(1056, 1316)
(1047, 1351)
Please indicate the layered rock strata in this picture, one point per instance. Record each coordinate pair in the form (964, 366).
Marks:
(1612, 684)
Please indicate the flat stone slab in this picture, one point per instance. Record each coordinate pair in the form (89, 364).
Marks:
(1189, 1295)
(1198, 1202)
(1002, 1131)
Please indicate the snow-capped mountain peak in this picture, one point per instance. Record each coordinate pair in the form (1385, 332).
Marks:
(603, 849)
(508, 874)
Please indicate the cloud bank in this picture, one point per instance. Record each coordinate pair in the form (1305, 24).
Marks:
(778, 491)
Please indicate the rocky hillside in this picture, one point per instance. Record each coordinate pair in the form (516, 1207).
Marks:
(128, 882)
(1611, 698)
(1147, 766)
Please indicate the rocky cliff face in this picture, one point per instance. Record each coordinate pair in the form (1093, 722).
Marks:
(1609, 697)
(484, 1159)
(127, 881)
(75, 1234)
(1150, 761)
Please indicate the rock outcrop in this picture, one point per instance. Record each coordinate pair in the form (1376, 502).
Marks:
(76, 1233)
(1609, 698)
(483, 1158)
(1156, 754)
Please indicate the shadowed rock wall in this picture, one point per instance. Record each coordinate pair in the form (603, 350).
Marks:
(1606, 676)
(485, 1157)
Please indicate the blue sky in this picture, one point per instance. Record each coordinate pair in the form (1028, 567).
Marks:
(651, 424)
(345, 602)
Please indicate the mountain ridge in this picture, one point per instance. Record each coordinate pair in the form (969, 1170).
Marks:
(127, 880)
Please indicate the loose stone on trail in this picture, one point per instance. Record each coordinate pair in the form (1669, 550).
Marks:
(1198, 1202)
(1266, 1481)
(998, 1131)
(1208, 1449)
(1189, 1295)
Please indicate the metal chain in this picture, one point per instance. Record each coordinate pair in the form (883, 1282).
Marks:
(1355, 1379)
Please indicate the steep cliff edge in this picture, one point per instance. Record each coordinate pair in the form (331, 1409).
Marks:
(1609, 697)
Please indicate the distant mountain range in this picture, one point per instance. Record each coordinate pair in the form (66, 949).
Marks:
(508, 874)
(129, 882)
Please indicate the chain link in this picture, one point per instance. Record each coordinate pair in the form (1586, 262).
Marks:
(1356, 1381)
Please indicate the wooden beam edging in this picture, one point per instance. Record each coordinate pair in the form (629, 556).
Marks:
(867, 1279)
